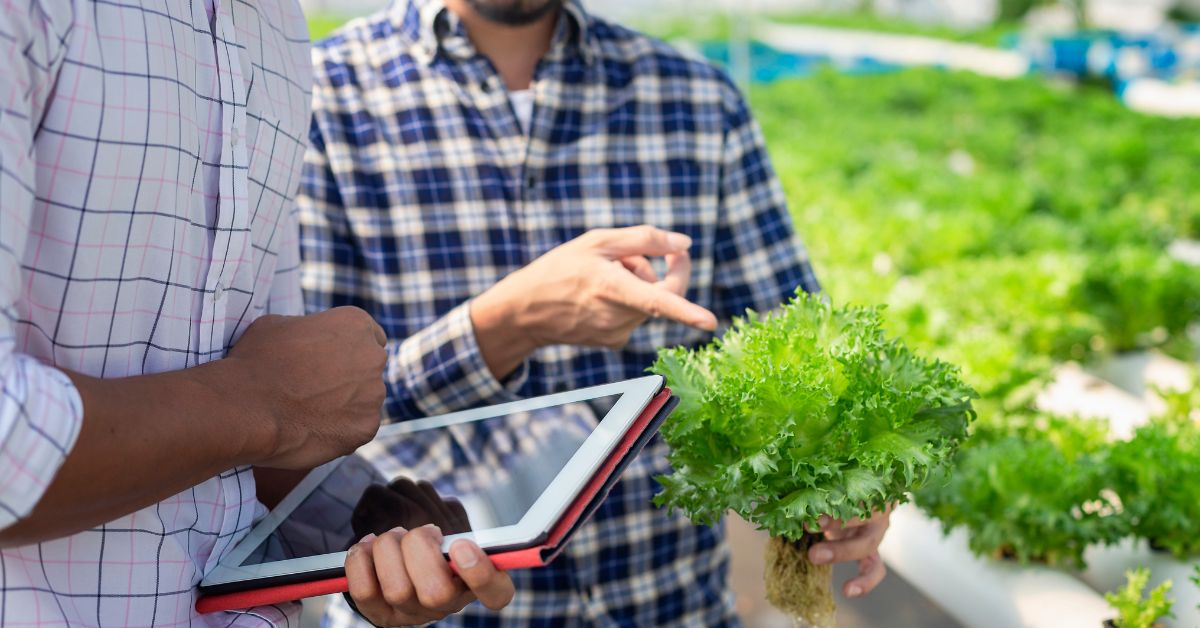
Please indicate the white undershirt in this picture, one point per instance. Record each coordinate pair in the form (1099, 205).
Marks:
(522, 104)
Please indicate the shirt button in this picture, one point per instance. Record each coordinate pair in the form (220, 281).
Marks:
(219, 293)
(235, 137)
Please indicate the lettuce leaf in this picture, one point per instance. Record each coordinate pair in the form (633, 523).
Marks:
(810, 410)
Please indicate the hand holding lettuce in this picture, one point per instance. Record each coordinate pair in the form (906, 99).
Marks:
(808, 411)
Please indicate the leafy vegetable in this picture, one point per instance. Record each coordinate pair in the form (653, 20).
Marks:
(1008, 226)
(1134, 610)
(808, 411)
(1143, 298)
(927, 166)
(1031, 488)
(1006, 321)
(1156, 479)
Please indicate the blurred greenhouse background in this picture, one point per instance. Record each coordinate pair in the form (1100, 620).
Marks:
(1018, 181)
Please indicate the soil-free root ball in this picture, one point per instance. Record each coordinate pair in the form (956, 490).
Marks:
(810, 410)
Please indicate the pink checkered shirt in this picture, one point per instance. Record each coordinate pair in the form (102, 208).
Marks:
(147, 168)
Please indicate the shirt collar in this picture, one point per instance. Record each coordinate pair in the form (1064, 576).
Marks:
(432, 28)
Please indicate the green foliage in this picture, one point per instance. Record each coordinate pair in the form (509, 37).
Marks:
(1008, 226)
(1155, 475)
(1019, 319)
(321, 25)
(1134, 610)
(1142, 298)
(1031, 488)
(930, 167)
(869, 21)
(807, 411)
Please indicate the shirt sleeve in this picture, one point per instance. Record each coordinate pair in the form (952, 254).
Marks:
(440, 368)
(759, 261)
(40, 411)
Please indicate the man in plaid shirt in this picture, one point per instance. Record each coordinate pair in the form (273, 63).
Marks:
(480, 177)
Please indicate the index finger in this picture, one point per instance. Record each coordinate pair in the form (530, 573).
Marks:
(642, 240)
(656, 300)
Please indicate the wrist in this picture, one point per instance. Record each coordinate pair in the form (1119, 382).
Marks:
(503, 341)
(247, 418)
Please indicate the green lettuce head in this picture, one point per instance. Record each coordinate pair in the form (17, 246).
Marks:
(810, 410)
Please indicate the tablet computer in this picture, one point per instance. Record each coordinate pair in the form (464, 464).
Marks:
(503, 476)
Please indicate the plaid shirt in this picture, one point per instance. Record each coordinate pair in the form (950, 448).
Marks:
(146, 173)
(421, 190)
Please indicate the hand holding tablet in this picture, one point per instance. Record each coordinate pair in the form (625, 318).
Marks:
(400, 578)
(517, 479)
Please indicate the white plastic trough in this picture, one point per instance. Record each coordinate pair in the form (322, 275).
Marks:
(906, 50)
(981, 592)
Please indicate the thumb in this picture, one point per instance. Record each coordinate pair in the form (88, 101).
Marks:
(644, 240)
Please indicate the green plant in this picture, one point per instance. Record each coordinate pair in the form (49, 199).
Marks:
(1155, 473)
(1006, 320)
(1031, 488)
(808, 411)
(1142, 297)
(1134, 609)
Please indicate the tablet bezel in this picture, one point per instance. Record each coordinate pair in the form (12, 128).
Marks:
(635, 395)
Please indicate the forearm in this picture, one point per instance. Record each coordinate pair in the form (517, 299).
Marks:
(503, 350)
(144, 439)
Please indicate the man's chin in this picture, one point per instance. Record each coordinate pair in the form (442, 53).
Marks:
(513, 12)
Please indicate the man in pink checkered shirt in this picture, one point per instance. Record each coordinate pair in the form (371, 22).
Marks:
(151, 356)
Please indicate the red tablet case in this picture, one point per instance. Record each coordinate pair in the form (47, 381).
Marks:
(642, 430)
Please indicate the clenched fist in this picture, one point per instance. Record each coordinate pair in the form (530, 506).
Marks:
(313, 383)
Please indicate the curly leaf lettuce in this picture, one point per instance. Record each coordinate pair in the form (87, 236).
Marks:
(1156, 478)
(1134, 608)
(1032, 488)
(807, 411)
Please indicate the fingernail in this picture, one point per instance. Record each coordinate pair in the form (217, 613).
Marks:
(464, 555)
(437, 532)
(854, 591)
(368, 538)
(825, 521)
(821, 556)
(679, 242)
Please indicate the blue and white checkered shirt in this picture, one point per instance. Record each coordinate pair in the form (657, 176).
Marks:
(422, 190)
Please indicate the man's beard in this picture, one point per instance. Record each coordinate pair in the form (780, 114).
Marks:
(514, 12)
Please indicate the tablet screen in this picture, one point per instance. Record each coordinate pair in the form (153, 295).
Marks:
(463, 477)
